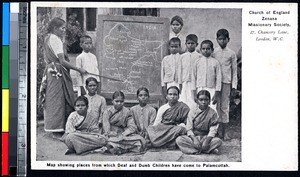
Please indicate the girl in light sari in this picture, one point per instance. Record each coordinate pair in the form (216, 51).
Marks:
(120, 128)
(143, 114)
(56, 92)
(82, 133)
(97, 103)
(202, 127)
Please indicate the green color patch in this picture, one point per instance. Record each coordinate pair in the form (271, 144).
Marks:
(5, 67)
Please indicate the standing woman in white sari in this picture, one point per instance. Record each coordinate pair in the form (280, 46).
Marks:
(56, 92)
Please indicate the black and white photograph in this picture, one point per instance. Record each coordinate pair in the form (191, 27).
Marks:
(147, 86)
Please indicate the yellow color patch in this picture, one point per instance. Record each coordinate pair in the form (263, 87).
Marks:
(5, 110)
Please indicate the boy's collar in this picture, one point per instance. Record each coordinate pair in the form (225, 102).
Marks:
(192, 52)
(206, 57)
(225, 48)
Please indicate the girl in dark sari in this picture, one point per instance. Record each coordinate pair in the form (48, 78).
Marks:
(120, 128)
(202, 127)
(170, 121)
(56, 92)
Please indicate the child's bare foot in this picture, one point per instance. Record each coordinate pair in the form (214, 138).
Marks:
(69, 151)
(226, 137)
(215, 151)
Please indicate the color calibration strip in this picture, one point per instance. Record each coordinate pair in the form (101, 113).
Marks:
(5, 88)
(13, 87)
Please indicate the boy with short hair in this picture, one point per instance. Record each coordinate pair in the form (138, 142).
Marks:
(188, 59)
(207, 74)
(228, 61)
(171, 67)
(87, 61)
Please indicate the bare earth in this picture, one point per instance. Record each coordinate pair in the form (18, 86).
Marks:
(49, 149)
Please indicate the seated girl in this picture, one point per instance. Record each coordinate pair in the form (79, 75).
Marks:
(82, 131)
(202, 126)
(119, 127)
(169, 122)
(143, 114)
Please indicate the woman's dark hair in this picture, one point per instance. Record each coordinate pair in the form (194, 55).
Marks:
(142, 89)
(173, 87)
(55, 22)
(82, 98)
(118, 93)
(177, 18)
(204, 92)
(88, 80)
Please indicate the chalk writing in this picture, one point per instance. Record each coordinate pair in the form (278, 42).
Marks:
(130, 58)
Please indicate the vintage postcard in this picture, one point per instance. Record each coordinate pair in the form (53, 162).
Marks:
(161, 86)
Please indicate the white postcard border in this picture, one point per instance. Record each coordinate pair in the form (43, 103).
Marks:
(269, 112)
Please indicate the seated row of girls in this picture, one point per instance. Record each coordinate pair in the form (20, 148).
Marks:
(117, 128)
(124, 130)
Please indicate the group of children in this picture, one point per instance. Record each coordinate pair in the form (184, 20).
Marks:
(191, 81)
(214, 70)
(96, 128)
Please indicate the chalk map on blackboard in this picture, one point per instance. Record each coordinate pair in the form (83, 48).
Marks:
(129, 57)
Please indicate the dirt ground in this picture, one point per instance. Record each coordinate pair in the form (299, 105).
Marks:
(49, 149)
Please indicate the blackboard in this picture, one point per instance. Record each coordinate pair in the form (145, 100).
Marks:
(131, 48)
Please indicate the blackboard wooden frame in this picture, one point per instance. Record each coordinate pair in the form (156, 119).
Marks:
(156, 99)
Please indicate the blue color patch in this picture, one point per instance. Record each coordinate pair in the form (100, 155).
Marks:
(5, 24)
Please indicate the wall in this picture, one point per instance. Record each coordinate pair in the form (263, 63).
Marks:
(206, 22)
(202, 22)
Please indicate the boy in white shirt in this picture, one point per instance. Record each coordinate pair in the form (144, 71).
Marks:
(171, 67)
(188, 60)
(228, 62)
(87, 61)
(207, 74)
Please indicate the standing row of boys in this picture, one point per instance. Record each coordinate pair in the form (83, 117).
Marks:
(212, 70)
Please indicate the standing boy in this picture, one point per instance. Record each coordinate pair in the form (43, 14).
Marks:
(87, 61)
(228, 61)
(171, 67)
(189, 58)
(207, 74)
